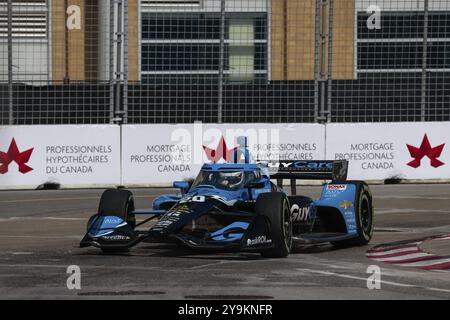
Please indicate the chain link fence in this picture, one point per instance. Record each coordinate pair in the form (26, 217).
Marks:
(225, 61)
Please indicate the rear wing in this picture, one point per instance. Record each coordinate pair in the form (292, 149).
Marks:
(307, 170)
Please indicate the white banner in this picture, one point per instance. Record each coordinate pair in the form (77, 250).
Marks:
(160, 154)
(73, 156)
(378, 151)
(152, 155)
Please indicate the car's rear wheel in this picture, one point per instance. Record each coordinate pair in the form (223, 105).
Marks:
(275, 206)
(119, 203)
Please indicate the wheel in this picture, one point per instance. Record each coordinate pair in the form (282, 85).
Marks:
(364, 217)
(119, 203)
(275, 206)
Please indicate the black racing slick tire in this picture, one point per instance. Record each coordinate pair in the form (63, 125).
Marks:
(119, 203)
(275, 206)
(364, 216)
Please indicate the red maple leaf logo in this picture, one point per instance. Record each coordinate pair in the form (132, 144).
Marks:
(425, 149)
(221, 152)
(14, 155)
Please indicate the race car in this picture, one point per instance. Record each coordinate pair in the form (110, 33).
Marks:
(239, 207)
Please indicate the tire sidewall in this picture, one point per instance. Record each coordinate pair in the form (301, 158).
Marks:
(286, 238)
(276, 209)
(364, 194)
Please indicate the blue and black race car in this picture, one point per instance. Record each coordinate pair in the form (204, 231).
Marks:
(238, 207)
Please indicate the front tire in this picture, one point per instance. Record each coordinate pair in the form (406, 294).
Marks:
(119, 203)
(275, 206)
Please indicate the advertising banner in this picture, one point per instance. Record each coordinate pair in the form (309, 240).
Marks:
(72, 156)
(379, 151)
(159, 154)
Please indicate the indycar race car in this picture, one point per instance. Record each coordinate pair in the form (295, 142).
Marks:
(237, 207)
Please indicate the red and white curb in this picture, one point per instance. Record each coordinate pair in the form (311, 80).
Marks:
(409, 254)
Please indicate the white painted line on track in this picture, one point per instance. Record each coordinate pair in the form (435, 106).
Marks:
(409, 210)
(208, 265)
(422, 197)
(56, 266)
(48, 199)
(41, 218)
(397, 284)
(41, 237)
(60, 199)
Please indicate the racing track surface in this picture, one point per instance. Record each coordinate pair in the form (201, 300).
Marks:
(40, 232)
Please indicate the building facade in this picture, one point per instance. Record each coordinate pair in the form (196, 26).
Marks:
(262, 58)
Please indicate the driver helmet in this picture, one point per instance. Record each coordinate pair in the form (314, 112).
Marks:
(231, 179)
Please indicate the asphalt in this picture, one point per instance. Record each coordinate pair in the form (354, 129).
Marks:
(40, 232)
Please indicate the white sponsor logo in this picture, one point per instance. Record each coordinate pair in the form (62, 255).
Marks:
(258, 240)
(116, 237)
(112, 220)
(300, 214)
(337, 187)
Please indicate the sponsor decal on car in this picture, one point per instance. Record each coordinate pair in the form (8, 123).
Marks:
(112, 220)
(336, 187)
(346, 204)
(258, 240)
(116, 237)
(301, 214)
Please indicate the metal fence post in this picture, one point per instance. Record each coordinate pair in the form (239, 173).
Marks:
(316, 62)
(221, 61)
(10, 65)
(111, 62)
(125, 62)
(323, 43)
(118, 111)
(330, 59)
(423, 98)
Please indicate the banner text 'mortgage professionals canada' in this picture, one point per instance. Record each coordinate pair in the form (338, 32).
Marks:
(379, 151)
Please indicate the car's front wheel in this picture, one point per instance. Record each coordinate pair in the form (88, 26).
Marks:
(119, 203)
(275, 206)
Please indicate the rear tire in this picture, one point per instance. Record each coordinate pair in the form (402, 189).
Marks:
(275, 206)
(119, 203)
(364, 217)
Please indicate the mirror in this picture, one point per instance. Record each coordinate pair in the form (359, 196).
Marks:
(182, 185)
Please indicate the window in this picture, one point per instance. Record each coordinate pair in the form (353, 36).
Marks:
(398, 45)
(180, 26)
(29, 18)
(188, 43)
(405, 25)
(180, 57)
(170, 3)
